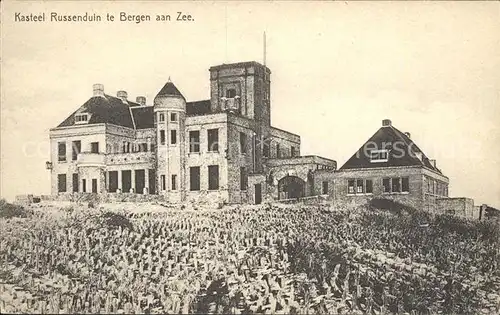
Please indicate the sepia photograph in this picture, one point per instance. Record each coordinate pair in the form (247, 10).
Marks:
(250, 157)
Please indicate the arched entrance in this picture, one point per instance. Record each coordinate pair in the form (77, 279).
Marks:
(291, 187)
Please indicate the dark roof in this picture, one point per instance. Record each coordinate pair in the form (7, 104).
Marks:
(239, 64)
(107, 109)
(402, 151)
(169, 89)
(198, 108)
(143, 117)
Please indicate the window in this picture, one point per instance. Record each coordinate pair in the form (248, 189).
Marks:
(396, 185)
(75, 182)
(94, 147)
(162, 137)
(76, 148)
(143, 147)
(81, 118)
(213, 177)
(377, 156)
(61, 151)
(194, 178)
(213, 140)
(230, 93)
(173, 117)
(325, 188)
(84, 185)
(173, 136)
(350, 186)
(162, 117)
(194, 141)
(61, 182)
(360, 189)
(243, 143)
(292, 151)
(369, 186)
(278, 151)
(386, 182)
(163, 183)
(265, 148)
(243, 178)
(405, 184)
(173, 183)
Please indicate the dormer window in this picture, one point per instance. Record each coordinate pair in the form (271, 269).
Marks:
(81, 118)
(378, 156)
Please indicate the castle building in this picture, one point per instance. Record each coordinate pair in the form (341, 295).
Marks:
(223, 148)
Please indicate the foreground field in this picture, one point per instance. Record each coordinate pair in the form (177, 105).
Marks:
(252, 259)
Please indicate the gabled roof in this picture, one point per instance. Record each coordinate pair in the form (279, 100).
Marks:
(143, 117)
(402, 151)
(104, 109)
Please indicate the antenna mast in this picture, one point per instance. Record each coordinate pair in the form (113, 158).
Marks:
(265, 44)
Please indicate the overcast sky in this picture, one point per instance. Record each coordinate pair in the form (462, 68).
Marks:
(338, 69)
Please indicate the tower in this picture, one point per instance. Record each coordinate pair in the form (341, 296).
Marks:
(170, 114)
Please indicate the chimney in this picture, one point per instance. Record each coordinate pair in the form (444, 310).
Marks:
(98, 89)
(122, 94)
(408, 135)
(386, 123)
(433, 163)
(141, 100)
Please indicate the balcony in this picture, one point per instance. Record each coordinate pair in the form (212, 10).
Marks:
(231, 104)
(91, 159)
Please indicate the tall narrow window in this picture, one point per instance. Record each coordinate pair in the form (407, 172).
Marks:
(162, 179)
(61, 182)
(396, 184)
(213, 177)
(61, 151)
(194, 141)
(173, 136)
(173, 117)
(194, 178)
(75, 182)
(76, 147)
(350, 186)
(369, 186)
(405, 184)
(243, 143)
(324, 190)
(278, 150)
(213, 140)
(94, 147)
(84, 185)
(230, 93)
(174, 182)
(359, 186)
(265, 148)
(162, 137)
(386, 182)
(162, 117)
(292, 151)
(243, 178)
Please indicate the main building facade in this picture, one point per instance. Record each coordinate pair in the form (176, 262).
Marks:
(223, 148)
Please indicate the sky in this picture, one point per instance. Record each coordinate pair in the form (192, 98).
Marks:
(338, 69)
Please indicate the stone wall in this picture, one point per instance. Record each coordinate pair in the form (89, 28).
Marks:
(459, 206)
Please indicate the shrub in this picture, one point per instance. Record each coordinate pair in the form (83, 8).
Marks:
(117, 220)
(9, 210)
